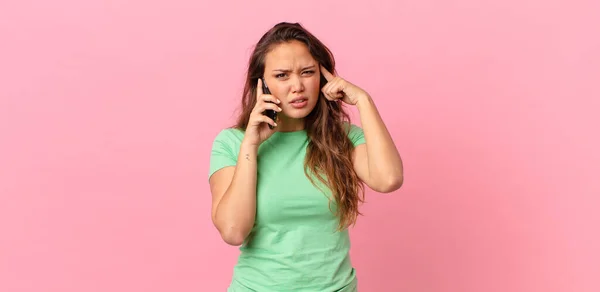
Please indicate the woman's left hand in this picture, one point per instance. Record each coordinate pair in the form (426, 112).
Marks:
(338, 88)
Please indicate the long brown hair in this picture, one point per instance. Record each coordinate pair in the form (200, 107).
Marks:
(329, 152)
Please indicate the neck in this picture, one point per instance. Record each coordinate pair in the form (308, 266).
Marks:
(286, 124)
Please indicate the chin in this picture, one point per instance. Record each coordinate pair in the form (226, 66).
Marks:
(297, 114)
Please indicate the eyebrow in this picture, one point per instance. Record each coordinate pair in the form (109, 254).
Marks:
(288, 70)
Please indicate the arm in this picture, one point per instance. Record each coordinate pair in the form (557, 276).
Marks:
(233, 191)
(233, 188)
(377, 162)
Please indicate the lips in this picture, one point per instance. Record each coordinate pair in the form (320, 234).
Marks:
(298, 100)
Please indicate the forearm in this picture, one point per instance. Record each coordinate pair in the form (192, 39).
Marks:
(384, 162)
(237, 208)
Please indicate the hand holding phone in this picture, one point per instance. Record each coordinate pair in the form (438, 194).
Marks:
(260, 126)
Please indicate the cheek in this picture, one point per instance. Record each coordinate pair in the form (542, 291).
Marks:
(279, 91)
(313, 86)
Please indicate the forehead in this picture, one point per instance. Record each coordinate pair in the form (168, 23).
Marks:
(289, 54)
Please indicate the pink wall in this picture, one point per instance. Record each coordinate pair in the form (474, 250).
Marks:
(108, 110)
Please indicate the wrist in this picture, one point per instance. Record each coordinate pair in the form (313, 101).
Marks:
(363, 101)
(248, 146)
(248, 151)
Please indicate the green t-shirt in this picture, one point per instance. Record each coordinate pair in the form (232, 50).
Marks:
(294, 245)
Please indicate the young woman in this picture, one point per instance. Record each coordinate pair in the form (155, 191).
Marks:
(287, 190)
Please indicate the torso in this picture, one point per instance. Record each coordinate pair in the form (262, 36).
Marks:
(294, 245)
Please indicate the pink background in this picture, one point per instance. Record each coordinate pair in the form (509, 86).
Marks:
(108, 110)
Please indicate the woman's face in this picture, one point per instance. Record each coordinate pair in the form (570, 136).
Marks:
(292, 75)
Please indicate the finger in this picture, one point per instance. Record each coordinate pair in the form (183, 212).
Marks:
(259, 90)
(261, 107)
(264, 119)
(326, 90)
(335, 92)
(334, 88)
(328, 96)
(270, 98)
(328, 87)
(271, 106)
(326, 74)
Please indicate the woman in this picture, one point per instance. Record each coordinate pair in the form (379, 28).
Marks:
(287, 193)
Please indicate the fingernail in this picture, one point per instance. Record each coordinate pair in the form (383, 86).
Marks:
(278, 101)
(279, 108)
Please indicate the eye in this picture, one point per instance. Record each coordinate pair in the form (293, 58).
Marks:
(309, 72)
(280, 75)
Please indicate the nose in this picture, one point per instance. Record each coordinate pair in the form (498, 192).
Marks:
(296, 84)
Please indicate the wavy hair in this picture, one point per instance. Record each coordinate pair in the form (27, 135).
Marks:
(329, 150)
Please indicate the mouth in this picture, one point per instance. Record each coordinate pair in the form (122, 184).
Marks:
(299, 100)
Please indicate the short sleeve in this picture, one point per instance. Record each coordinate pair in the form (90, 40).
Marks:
(224, 152)
(356, 135)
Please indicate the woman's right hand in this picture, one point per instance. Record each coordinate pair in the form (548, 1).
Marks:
(258, 129)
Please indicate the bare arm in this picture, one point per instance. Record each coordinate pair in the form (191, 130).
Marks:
(233, 188)
(377, 162)
(234, 197)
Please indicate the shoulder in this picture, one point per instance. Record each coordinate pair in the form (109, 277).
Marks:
(355, 133)
(225, 149)
(228, 136)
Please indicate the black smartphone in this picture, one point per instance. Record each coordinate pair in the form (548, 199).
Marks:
(269, 113)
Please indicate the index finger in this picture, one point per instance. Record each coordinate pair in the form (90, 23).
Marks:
(326, 74)
(259, 90)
